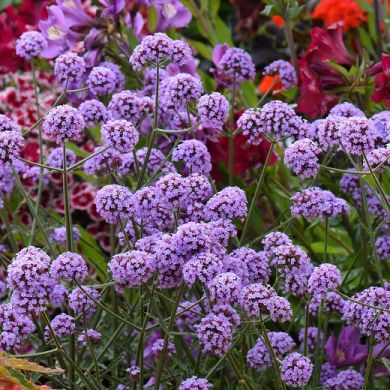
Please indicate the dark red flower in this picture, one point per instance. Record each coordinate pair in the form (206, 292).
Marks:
(316, 76)
(382, 80)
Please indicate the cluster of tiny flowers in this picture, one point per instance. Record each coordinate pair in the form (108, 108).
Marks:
(238, 64)
(195, 383)
(357, 135)
(316, 203)
(114, 201)
(213, 110)
(254, 299)
(104, 162)
(184, 88)
(215, 332)
(120, 134)
(203, 267)
(133, 372)
(158, 345)
(30, 44)
(200, 187)
(11, 144)
(346, 110)
(58, 295)
(332, 303)
(56, 158)
(93, 112)
(195, 156)
(229, 203)
(381, 122)
(279, 309)
(328, 370)
(157, 48)
(302, 158)
(225, 288)
(64, 123)
(173, 189)
(69, 68)
(80, 300)
(370, 321)
(7, 124)
(296, 370)
(132, 269)
(382, 245)
(101, 81)
(273, 240)
(323, 278)
(377, 157)
(62, 325)
(347, 379)
(284, 70)
(259, 357)
(328, 131)
(312, 335)
(126, 105)
(119, 76)
(93, 336)
(69, 266)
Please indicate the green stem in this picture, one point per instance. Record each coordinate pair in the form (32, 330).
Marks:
(257, 192)
(326, 240)
(369, 363)
(241, 378)
(8, 227)
(231, 135)
(166, 337)
(91, 349)
(305, 342)
(317, 365)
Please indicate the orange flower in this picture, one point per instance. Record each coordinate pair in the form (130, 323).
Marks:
(268, 82)
(278, 21)
(348, 12)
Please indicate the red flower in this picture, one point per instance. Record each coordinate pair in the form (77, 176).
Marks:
(246, 156)
(382, 80)
(316, 76)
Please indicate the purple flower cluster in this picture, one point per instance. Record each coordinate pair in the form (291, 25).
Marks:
(158, 346)
(370, 321)
(302, 158)
(316, 203)
(195, 383)
(93, 336)
(101, 80)
(132, 269)
(357, 135)
(93, 112)
(134, 372)
(69, 266)
(119, 76)
(213, 110)
(114, 201)
(103, 163)
(225, 288)
(62, 325)
(274, 239)
(347, 379)
(80, 300)
(7, 124)
(375, 157)
(332, 303)
(69, 68)
(195, 156)
(238, 64)
(328, 131)
(381, 123)
(284, 70)
(296, 370)
(229, 203)
(58, 295)
(259, 357)
(173, 189)
(30, 44)
(56, 160)
(346, 110)
(120, 134)
(382, 245)
(254, 299)
(183, 88)
(11, 144)
(126, 105)
(202, 267)
(312, 334)
(64, 123)
(323, 278)
(157, 48)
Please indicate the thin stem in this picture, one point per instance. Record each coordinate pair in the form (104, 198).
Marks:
(369, 363)
(305, 342)
(231, 134)
(165, 345)
(8, 227)
(257, 192)
(317, 365)
(91, 349)
(236, 369)
(326, 240)
(379, 308)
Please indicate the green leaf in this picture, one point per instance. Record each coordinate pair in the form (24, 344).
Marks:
(318, 247)
(271, 10)
(339, 68)
(222, 31)
(293, 12)
(249, 92)
(24, 364)
(202, 48)
(78, 151)
(214, 7)
(152, 19)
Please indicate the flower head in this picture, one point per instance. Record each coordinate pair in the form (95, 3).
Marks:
(103, 162)
(7, 124)
(213, 110)
(225, 288)
(30, 44)
(203, 267)
(80, 300)
(284, 71)
(323, 278)
(157, 348)
(173, 189)
(11, 144)
(296, 370)
(183, 89)
(93, 112)
(328, 131)
(347, 379)
(120, 134)
(69, 266)
(382, 245)
(195, 156)
(64, 123)
(119, 76)
(126, 105)
(63, 325)
(238, 64)
(93, 336)
(101, 80)
(254, 298)
(69, 68)
(195, 383)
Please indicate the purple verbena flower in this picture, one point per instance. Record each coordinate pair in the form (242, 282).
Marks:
(93, 336)
(158, 345)
(11, 144)
(69, 266)
(94, 112)
(30, 44)
(382, 245)
(7, 124)
(104, 162)
(279, 309)
(203, 267)
(80, 301)
(119, 76)
(312, 335)
(195, 156)
(69, 68)
(213, 110)
(101, 80)
(126, 105)
(348, 380)
(284, 70)
(254, 298)
(225, 288)
(238, 64)
(63, 325)
(183, 89)
(195, 383)
(296, 370)
(120, 135)
(346, 110)
(323, 278)
(56, 160)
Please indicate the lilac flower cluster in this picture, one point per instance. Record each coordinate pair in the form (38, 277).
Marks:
(203, 267)
(254, 299)
(382, 245)
(225, 288)
(132, 269)
(157, 48)
(69, 68)
(56, 158)
(323, 278)
(259, 357)
(104, 162)
(316, 203)
(302, 158)
(113, 202)
(158, 345)
(93, 112)
(375, 157)
(63, 325)
(11, 144)
(213, 110)
(183, 89)
(30, 44)
(238, 64)
(284, 70)
(120, 134)
(332, 303)
(296, 370)
(64, 123)
(7, 124)
(381, 123)
(195, 383)
(195, 156)
(119, 76)
(81, 302)
(312, 334)
(328, 131)
(101, 80)
(126, 105)
(347, 379)
(346, 110)
(93, 336)
(69, 266)
(370, 321)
